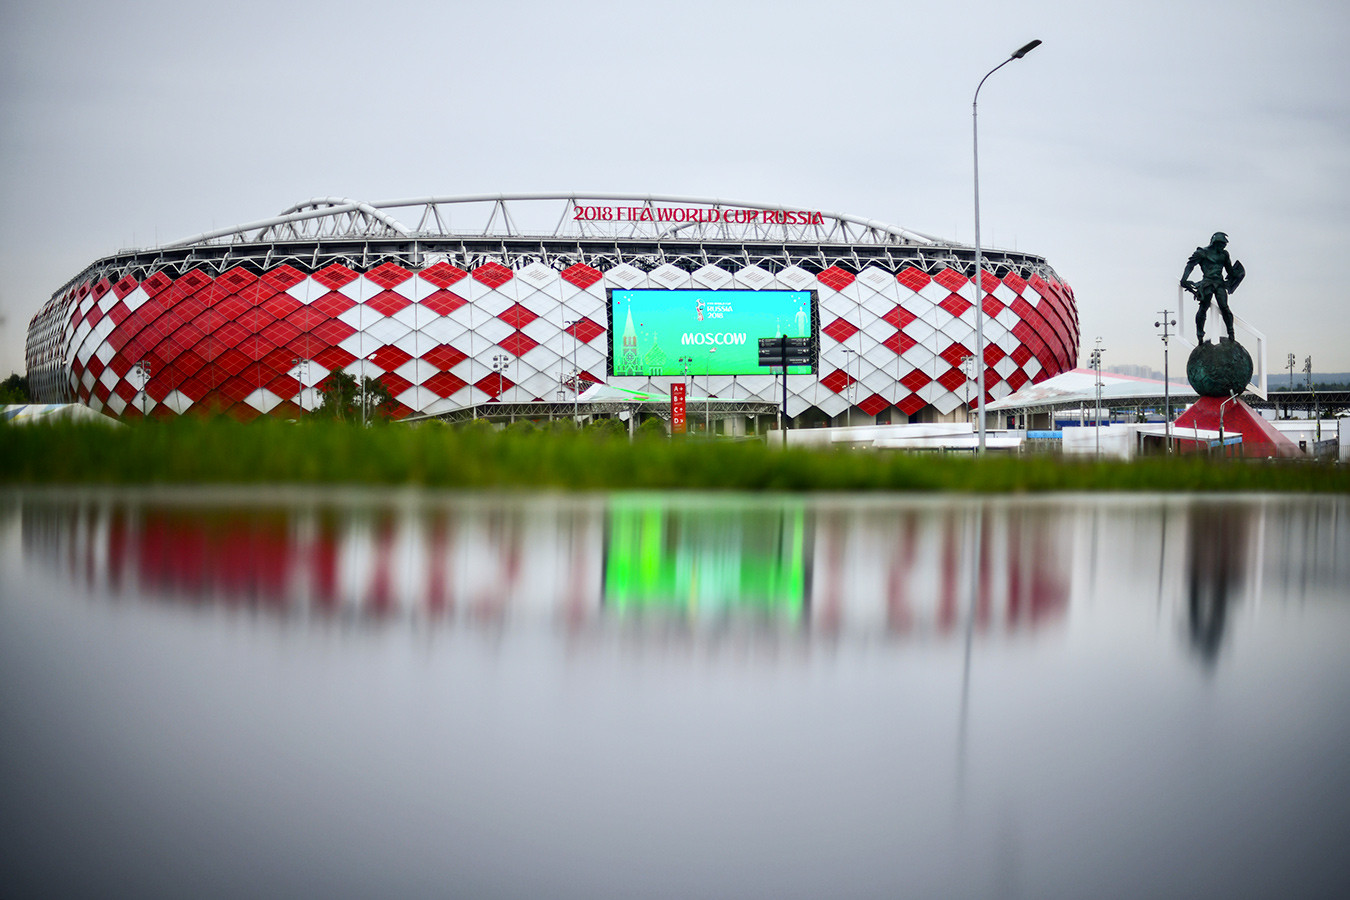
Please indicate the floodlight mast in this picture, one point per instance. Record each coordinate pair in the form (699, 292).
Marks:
(979, 281)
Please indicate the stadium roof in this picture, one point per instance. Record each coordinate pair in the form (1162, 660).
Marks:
(1078, 387)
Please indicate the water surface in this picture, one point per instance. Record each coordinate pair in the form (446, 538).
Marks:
(359, 694)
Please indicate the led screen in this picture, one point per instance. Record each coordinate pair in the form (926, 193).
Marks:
(704, 332)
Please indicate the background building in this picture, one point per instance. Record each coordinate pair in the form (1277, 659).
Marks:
(498, 305)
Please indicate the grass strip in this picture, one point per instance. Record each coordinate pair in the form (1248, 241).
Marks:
(191, 451)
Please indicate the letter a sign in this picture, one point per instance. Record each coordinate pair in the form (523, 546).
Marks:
(677, 408)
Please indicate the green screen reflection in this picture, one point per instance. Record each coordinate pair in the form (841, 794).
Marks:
(707, 563)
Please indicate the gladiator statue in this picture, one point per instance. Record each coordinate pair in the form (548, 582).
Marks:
(1221, 276)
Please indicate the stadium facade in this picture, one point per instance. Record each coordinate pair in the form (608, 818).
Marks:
(506, 305)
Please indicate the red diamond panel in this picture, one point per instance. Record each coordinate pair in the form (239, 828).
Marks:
(874, 404)
(334, 359)
(388, 275)
(992, 305)
(255, 320)
(283, 277)
(230, 334)
(518, 344)
(389, 358)
(1017, 379)
(912, 404)
(951, 279)
(335, 276)
(443, 384)
(837, 381)
(1021, 355)
(1024, 310)
(899, 317)
(1015, 282)
(585, 330)
(444, 357)
(103, 286)
(124, 287)
(386, 303)
(155, 284)
(836, 278)
(396, 384)
(442, 275)
(840, 329)
(281, 332)
(914, 279)
(490, 384)
(492, 274)
(442, 302)
(333, 331)
(231, 307)
(900, 342)
(232, 362)
(281, 305)
(581, 275)
(193, 281)
(915, 379)
(953, 380)
(989, 280)
(955, 304)
(237, 279)
(333, 304)
(517, 316)
(955, 353)
(284, 386)
(992, 354)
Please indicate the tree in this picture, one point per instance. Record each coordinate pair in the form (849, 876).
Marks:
(341, 399)
(14, 389)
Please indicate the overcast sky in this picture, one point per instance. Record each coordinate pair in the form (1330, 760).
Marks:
(1134, 132)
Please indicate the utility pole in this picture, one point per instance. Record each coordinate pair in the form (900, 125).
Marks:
(1167, 323)
(1097, 414)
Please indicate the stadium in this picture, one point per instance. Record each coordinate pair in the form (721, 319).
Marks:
(540, 305)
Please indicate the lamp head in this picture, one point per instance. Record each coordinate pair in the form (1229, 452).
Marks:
(1025, 49)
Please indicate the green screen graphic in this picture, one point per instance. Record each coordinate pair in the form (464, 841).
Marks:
(703, 332)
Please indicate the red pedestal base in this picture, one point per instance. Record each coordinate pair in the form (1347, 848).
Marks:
(1259, 437)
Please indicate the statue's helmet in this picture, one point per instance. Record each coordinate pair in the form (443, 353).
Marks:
(1219, 238)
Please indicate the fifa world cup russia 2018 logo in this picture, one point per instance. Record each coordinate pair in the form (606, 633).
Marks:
(698, 304)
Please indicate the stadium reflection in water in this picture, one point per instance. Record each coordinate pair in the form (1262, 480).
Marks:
(665, 695)
(708, 562)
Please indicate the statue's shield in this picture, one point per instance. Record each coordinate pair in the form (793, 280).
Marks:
(1235, 276)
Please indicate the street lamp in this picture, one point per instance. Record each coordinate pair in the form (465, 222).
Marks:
(1166, 324)
(1097, 413)
(979, 282)
(499, 363)
(143, 370)
(576, 373)
(301, 366)
(848, 373)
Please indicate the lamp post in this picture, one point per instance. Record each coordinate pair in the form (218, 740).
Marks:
(1166, 324)
(301, 366)
(1097, 413)
(576, 373)
(979, 282)
(848, 388)
(143, 370)
(499, 363)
